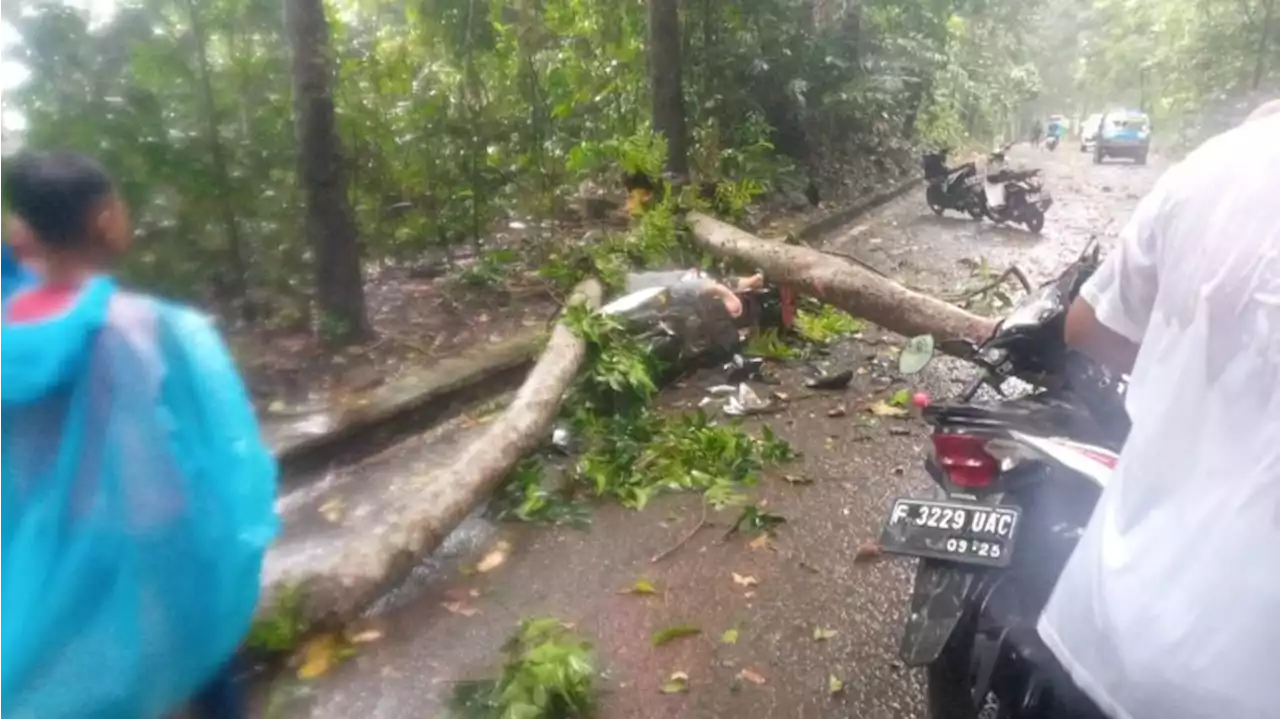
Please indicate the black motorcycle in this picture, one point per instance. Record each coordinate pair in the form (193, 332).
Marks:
(1019, 478)
(1015, 195)
(952, 188)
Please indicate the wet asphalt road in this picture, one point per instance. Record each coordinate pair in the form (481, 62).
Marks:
(448, 624)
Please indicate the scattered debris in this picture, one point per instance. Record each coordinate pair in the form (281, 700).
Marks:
(835, 684)
(495, 558)
(730, 636)
(821, 634)
(745, 402)
(743, 369)
(797, 479)
(884, 409)
(333, 510)
(837, 411)
(900, 398)
(642, 586)
(745, 580)
(677, 683)
(562, 439)
(696, 528)
(839, 380)
(322, 653)
(662, 636)
(460, 608)
(751, 676)
(868, 551)
(764, 541)
(366, 636)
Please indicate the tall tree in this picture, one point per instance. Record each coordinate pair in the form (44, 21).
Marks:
(328, 223)
(668, 92)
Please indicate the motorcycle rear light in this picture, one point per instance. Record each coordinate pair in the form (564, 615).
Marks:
(965, 459)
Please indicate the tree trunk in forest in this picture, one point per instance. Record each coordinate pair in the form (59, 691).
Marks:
(1264, 41)
(329, 224)
(231, 282)
(843, 284)
(668, 93)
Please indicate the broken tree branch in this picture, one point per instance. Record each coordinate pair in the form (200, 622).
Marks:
(342, 570)
(843, 284)
(1013, 272)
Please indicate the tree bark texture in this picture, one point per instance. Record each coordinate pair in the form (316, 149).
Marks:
(668, 92)
(329, 225)
(842, 283)
(340, 569)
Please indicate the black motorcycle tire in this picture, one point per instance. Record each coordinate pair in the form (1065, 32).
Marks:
(933, 197)
(948, 681)
(1034, 220)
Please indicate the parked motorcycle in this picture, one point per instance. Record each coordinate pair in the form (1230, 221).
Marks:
(1019, 478)
(1015, 195)
(953, 188)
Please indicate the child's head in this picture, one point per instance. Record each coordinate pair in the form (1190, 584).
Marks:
(66, 210)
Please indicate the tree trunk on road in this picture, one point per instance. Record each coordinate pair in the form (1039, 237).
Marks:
(668, 92)
(329, 225)
(843, 284)
(365, 568)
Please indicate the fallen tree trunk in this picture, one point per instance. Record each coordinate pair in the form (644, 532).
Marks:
(324, 574)
(843, 284)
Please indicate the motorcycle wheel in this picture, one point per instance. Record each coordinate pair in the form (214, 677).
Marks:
(948, 690)
(933, 198)
(976, 211)
(1035, 220)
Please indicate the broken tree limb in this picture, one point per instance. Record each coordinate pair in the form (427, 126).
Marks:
(379, 527)
(843, 284)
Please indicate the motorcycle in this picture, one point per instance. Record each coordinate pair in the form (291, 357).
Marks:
(952, 188)
(1015, 195)
(1051, 143)
(1018, 479)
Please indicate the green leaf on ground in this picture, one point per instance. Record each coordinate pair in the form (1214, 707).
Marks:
(884, 409)
(677, 683)
(821, 634)
(730, 636)
(642, 586)
(835, 684)
(662, 636)
(901, 398)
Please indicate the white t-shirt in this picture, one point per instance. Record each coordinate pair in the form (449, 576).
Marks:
(1170, 606)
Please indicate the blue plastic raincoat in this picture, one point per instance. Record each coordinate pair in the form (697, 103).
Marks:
(137, 504)
(12, 274)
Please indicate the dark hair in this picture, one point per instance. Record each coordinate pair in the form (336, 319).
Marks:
(55, 192)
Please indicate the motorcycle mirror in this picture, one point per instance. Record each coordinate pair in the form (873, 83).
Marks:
(916, 354)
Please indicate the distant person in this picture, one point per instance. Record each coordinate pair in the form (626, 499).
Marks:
(1037, 131)
(137, 493)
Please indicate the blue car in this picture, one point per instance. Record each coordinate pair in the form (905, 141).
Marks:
(1126, 133)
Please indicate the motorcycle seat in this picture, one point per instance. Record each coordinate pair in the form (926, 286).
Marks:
(1012, 175)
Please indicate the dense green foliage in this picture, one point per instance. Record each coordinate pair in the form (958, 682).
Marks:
(1196, 67)
(548, 672)
(456, 114)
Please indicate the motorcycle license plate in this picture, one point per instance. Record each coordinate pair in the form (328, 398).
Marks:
(968, 533)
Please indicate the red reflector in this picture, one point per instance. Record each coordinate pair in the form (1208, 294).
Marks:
(965, 459)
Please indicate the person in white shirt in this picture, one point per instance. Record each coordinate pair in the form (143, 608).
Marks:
(1170, 606)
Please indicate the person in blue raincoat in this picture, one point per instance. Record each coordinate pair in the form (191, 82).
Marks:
(12, 274)
(137, 492)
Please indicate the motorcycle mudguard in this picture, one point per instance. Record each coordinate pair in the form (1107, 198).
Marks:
(942, 596)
